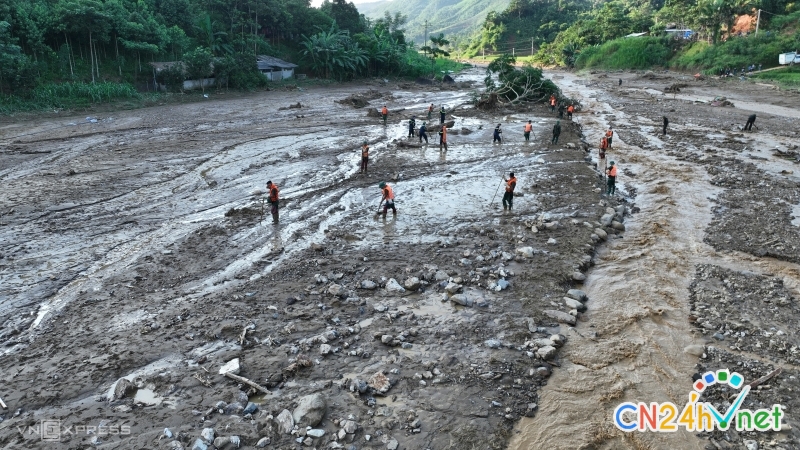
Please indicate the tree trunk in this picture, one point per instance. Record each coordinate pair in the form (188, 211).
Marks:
(91, 56)
(69, 55)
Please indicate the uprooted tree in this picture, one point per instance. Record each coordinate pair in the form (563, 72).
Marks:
(506, 84)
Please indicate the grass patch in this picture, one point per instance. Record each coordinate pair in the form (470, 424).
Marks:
(630, 53)
(67, 96)
(789, 76)
(735, 53)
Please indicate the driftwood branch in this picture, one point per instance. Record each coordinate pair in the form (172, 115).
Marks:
(766, 377)
(250, 383)
(2, 403)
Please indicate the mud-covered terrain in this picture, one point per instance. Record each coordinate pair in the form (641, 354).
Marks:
(137, 258)
(707, 277)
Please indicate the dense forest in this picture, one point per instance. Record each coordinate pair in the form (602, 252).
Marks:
(54, 47)
(591, 34)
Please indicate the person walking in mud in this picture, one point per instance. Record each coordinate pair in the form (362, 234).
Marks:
(527, 133)
(387, 199)
(364, 157)
(423, 133)
(552, 103)
(441, 115)
(556, 132)
(496, 135)
(508, 195)
(603, 147)
(273, 199)
(430, 111)
(611, 173)
(570, 110)
(443, 138)
(412, 125)
(609, 136)
(666, 123)
(750, 122)
(384, 114)
(561, 110)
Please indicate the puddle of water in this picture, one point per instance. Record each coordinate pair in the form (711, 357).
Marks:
(147, 397)
(796, 214)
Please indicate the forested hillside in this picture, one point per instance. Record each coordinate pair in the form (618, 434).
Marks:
(455, 18)
(586, 34)
(101, 48)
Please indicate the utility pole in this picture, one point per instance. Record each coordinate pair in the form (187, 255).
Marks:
(758, 21)
(531, 46)
(426, 34)
(512, 52)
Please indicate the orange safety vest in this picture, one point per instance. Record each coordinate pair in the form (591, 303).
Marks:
(430, 108)
(570, 108)
(273, 193)
(528, 127)
(444, 133)
(612, 171)
(552, 101)
(388, 193)
(384, 111)
(604, 143)
(511, 184)
(609, 133)
(365, 152)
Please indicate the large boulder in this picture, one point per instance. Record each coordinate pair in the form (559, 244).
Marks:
(310, 410)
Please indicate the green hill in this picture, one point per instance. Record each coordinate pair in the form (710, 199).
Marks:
(454, 18)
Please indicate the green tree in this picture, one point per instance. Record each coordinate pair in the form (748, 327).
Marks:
(198, 64)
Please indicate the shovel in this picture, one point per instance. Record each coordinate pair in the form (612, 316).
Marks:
(498, 190)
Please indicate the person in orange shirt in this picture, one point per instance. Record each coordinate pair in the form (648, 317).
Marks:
(508, 196)
(387, 199)
(603, 147)
(609, 136)
(570, 110)
(384, 114)
(527, 133)
(273, 199)
(364, 157)
(552, 103)
(612, 179)
(443, 138)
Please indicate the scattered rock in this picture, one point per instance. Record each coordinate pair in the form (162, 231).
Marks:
(122, 388)
(578, 276)
(694, 350)
(199, 445)
(526, 252)
(263, 442)
(601, 233)
(315, 433)
(393, 286)
(560, 316)
(493, 343)
(574, 304)
(577, 294)
(547, 352)
(349, 426)
(208, 434)
(250, 408)
(452, 288)
(462, 300)
(412, 284)
(441, 275)
(231, 366)
(368, 284)
(618, 225)
(310, 410)
(392, 445)
(285, 421)
(379, 382)
(750, 444)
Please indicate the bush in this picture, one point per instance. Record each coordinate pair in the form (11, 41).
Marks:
(238, 71)
(735, 53)
(628, 53)
(172, 77)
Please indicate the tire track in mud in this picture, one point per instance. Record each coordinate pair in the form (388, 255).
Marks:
(631, 343)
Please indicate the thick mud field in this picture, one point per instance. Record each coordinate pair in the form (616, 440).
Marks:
(137, 258)
(135, 245)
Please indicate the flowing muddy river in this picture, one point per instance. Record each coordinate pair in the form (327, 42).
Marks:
(639, 340)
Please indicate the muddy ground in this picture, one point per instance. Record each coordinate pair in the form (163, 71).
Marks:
(134, 246)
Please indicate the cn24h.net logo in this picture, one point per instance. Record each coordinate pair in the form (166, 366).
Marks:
(696, 415)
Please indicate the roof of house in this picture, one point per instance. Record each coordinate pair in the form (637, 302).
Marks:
(637, 34)
(270, 62)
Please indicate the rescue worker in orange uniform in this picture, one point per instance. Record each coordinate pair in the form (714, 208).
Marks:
(609, 136)
(508, 196)
(570, 110)
(273, 199)
(527, 133)
(552, 103)
(384, 114)
(387, 199)
(612, 179)
(364, 157)
(603, 147)
(443, 138)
